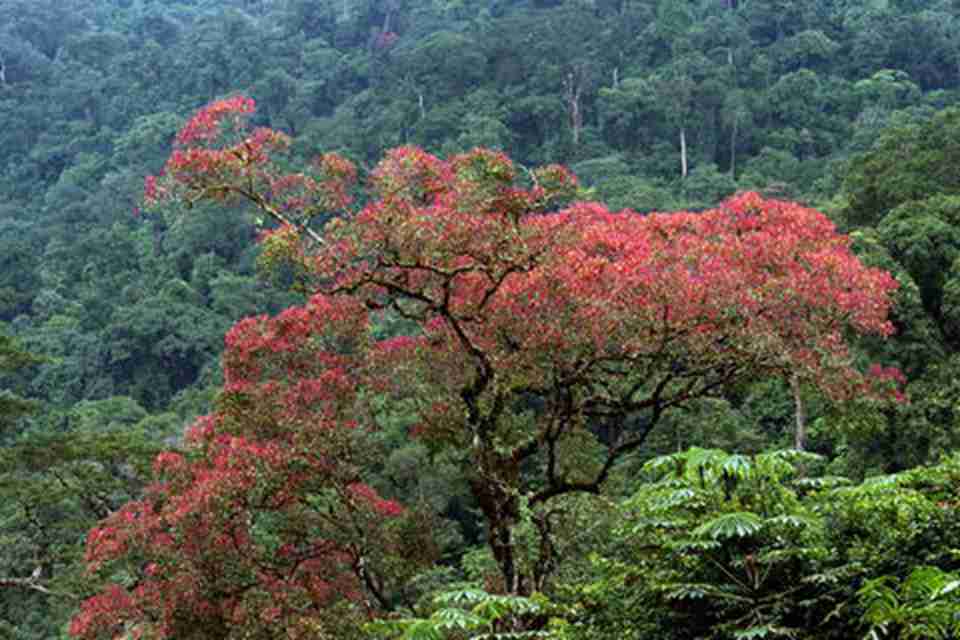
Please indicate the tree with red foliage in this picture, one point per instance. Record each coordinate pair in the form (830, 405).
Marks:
(551, 339)
(264, 522)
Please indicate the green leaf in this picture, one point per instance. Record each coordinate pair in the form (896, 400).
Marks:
(793, 521)
(738, 466)
(951, 586)
(692, 545)
(422, 630)
(467, 595)
(457, 619)
(730, 525)
(825, 482)
(755, 632)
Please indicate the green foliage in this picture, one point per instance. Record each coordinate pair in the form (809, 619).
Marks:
(924, 605)
(730, 546)
(55, 484)
(473, 613)
(910, 162)
(924, 237)
(903, 196)
(13, 360)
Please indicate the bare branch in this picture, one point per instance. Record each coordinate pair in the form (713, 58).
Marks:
(33, 583)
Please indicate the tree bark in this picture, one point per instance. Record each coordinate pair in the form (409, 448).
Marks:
(501, 509)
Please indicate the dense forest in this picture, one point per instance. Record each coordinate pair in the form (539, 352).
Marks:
(312, 324)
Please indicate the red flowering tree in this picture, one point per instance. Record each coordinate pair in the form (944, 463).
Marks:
(551, 339)
(264, 522)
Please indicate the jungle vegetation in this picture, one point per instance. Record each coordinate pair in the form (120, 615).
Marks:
(355, 319)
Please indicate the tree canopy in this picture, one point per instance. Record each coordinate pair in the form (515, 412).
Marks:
(547, 340)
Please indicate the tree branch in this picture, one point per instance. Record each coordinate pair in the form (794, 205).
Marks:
(33, 583)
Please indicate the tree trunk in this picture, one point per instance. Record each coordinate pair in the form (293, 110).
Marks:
(733, 149)
(573, 88)
(547, 556)
(800, 435)
(683, 152)
(501, 510)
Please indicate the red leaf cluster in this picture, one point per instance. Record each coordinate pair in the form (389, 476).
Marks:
(756, 284)
(216, 157)
(206, 125)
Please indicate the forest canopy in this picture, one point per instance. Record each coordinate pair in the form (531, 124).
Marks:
(463, 319)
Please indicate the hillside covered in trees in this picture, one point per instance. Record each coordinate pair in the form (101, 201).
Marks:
(356, 319)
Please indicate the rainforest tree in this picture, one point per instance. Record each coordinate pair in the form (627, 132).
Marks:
(548, 337)
(12, 359)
